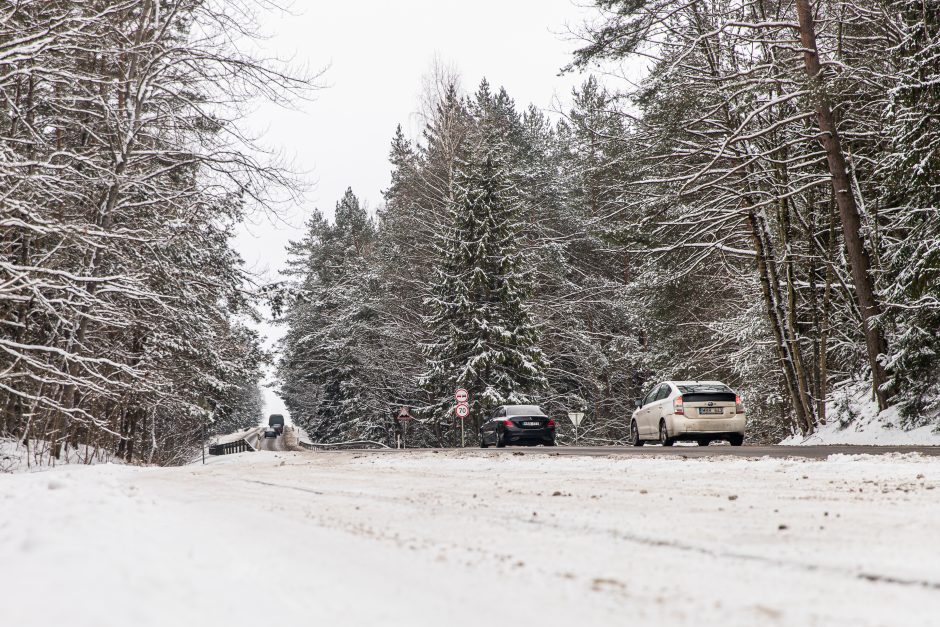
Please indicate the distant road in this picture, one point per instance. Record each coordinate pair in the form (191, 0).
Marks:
(272, 444)
(285, 442)
(810, 452)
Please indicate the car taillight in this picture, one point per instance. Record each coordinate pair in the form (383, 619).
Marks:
(738, 404)
(677, 407)
(508, 423)
(550, 423)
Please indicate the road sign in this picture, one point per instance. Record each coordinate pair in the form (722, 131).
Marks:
(463, 410)
(461, 395)
(576, 417)
(404, 414)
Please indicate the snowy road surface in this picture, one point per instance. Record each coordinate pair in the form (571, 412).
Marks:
(272, 444)
(345, 538)
(693, 450)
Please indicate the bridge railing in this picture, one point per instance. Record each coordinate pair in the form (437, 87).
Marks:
(239, 446)
(237, 442)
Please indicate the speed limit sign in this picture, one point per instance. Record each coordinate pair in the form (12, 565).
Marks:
(463, 410)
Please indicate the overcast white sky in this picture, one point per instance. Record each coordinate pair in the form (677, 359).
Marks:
(375, 54)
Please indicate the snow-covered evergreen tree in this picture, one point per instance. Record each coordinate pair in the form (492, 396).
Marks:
(484, 337)
(911, 195)
(327, 369)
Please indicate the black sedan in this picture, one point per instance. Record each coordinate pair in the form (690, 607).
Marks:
(270, 433)
(517, 424)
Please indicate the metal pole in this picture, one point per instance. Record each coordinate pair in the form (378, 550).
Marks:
(404, 430)
(204, 419)
(462, 445)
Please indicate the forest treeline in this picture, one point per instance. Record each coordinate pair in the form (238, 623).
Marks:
(762, 208)
(123, 171)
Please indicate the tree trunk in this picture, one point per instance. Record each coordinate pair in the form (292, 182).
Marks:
(845, 199)
(777, 325)
(824, 331)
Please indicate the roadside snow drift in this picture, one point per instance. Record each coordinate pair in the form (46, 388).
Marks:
(353, 538)
(853, 418)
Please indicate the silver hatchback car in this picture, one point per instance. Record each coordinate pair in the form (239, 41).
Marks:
(700, 411)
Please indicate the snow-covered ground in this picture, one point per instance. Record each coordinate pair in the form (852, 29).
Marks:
(422, 538)
(16, 457)
(854, 419)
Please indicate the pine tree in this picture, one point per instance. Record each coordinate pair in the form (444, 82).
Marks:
(912, 198)
(485, 338)
(328, 370)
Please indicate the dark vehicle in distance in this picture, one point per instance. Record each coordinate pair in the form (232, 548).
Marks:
(270, 433)
(276, 422)
(517, 424)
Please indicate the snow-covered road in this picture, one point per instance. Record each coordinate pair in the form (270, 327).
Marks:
(352, 538)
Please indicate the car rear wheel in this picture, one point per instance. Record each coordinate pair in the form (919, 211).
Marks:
(736, 440)
(664, 438)
(635, 435)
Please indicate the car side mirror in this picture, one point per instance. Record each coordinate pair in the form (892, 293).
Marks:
(638, 403)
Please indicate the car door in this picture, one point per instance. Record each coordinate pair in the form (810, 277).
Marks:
(638, 412)
(492, 429)
(485, 429)
(654, 410)
(658, 407)
(643, 422)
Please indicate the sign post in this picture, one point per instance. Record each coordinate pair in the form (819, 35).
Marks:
(403, 417)
(462, 410)
(576, 417)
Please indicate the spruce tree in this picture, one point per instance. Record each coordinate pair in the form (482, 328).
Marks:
(485, 339)
(325, 368)
(911, 197)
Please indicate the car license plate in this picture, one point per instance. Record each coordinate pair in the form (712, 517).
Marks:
(531, 424)
(711, 410)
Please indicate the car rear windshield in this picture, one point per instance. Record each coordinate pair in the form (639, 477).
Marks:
(515, 411)
(706, 392)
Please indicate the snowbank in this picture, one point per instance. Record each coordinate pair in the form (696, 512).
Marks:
(463, 539)
(15, 457)
(853, 418)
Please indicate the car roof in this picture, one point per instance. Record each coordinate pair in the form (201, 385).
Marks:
(696, 382)
(523, 410)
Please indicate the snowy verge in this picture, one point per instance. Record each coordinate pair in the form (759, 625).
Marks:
(853, 418)
(449, 538)
(16, 457)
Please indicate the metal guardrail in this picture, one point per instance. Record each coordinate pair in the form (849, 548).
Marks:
(248, 442)
(239, 446)
(351, 444)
